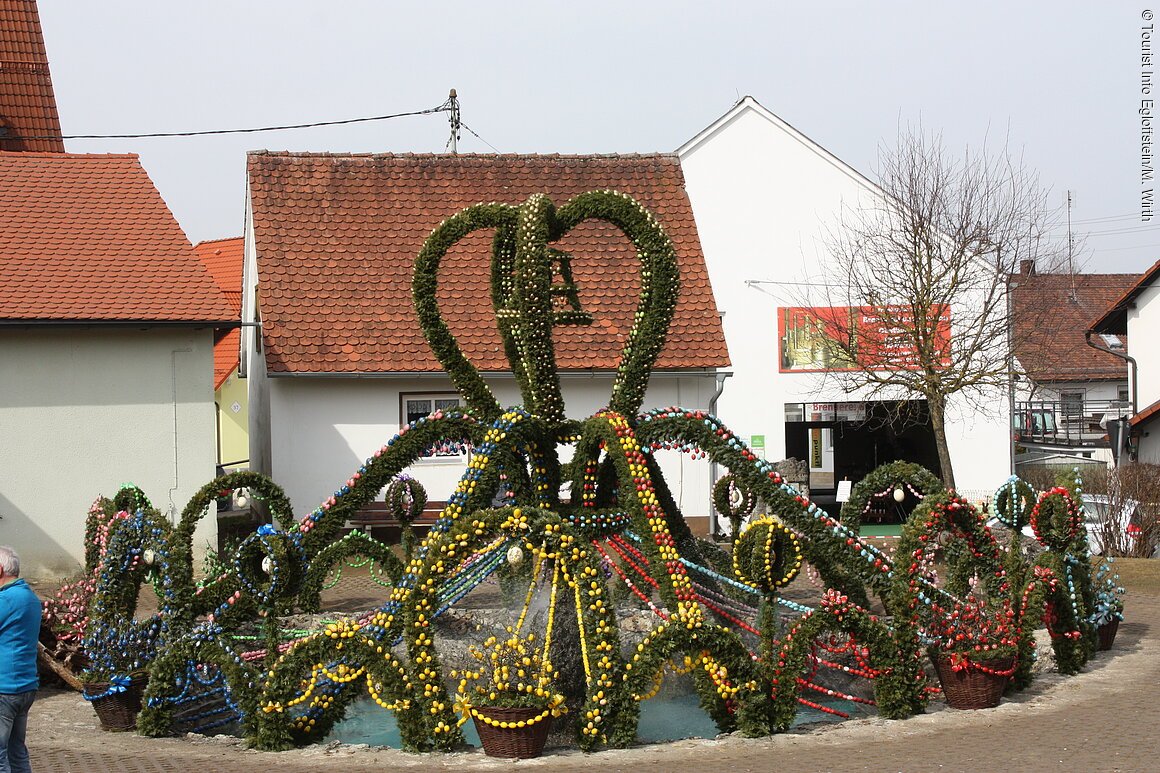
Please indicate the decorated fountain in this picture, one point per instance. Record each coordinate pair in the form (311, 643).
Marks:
(221, 652)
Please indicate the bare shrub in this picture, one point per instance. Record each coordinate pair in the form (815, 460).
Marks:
(1129, 524)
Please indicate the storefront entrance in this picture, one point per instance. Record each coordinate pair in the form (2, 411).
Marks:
(845, 441)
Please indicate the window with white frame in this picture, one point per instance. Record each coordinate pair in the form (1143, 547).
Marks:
(415, 406)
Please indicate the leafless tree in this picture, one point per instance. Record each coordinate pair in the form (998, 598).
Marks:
(917, 305)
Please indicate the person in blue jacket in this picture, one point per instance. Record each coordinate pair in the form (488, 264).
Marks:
(19, 634)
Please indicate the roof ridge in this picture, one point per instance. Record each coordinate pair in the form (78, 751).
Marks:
(1134, 274)
(222, 239)
(57, 156)
(465, 156)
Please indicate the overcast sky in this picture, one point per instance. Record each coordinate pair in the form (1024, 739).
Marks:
(1059, 81)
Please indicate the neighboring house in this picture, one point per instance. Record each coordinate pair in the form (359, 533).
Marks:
(1136, 315)
(223, 259)
(106, 337)
(341, 364)
(1068, 391)
(764, 195)
(106, 327)
(28, 115)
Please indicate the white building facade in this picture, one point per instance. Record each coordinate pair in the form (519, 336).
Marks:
(764, 196)
(88, 410)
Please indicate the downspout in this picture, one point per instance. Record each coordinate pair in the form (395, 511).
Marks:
(1087, 337)
(1132, 395)
(713, 465)
(176, 467)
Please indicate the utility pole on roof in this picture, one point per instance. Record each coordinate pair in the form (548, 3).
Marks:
(1070, 251)
(453, 101)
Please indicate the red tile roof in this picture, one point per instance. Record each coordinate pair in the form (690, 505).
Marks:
(87, 238)
(337, 235)
(1146, 415)
(223, 259)
(27, 105)
(226, 356)
(1114, 318)
(1051, 316)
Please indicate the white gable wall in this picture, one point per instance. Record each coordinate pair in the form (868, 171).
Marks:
(322, 429)
(1144, 325)
(763, 196)
(86, 410)
(1144, 322)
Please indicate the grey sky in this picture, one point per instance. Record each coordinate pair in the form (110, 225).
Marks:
(1062, 80)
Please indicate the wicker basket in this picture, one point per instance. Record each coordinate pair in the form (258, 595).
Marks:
(511, 742)
(118, 710)
(972, 687)
(1107, 634)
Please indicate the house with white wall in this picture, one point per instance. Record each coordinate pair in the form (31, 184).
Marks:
(1066, 390)
(107, 325)
(765, 195)
(335, 359)
(1136, 314)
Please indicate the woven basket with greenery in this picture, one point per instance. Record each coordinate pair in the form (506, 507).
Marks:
(118, 702)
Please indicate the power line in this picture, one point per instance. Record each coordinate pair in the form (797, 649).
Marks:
(1111, 231)
(1121, 231)
(481, 139)
(1109, 218)
(440, 109)
(1131, 247)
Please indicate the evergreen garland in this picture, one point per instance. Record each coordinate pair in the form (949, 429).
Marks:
(881, 482)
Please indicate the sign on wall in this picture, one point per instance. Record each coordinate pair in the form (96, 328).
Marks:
(822, 338)
(837, 411)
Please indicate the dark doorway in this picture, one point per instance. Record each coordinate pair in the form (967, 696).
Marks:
(889, 432)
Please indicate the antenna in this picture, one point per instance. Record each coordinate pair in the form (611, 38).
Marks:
(453, 101)
(1070, 252)
(1070, 238)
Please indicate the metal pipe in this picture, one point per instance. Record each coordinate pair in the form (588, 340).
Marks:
(1124, 433)
(1087, 337)
(713, 465)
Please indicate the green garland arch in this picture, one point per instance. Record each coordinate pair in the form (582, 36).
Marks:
(884, 479)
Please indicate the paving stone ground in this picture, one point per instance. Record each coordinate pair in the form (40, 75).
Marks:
(1100, 720)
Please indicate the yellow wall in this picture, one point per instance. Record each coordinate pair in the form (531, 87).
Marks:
(234, 442)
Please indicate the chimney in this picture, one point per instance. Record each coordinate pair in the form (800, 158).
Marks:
(1027, 267)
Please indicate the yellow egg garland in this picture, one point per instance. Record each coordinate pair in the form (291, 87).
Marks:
(766, 554)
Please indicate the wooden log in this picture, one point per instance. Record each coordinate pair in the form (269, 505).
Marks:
(68, 677)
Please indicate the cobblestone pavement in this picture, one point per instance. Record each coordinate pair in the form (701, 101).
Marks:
(1090, 722)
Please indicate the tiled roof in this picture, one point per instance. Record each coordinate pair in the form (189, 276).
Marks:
(1114, 316)
(337, 235)
(1146, 415)
(226, 355)
(1052, 312)
(223, 259)
(27, 104)
(88, 238)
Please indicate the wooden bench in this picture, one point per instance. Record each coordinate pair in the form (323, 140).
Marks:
(376, 521)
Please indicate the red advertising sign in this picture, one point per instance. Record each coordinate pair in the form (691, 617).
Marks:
(821, 338)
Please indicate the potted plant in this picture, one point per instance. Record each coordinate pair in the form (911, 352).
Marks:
(509, 695)
(119, 647)
(119, 656)
(974, 646)
(1108, 609)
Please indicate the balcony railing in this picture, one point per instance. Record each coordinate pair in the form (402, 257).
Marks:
(1067, 422)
